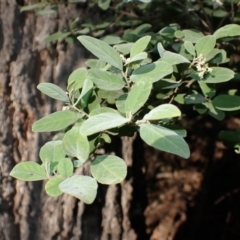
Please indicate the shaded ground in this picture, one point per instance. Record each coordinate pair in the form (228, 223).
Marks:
(198, 198)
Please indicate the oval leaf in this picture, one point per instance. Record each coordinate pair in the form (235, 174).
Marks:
(102, 122)
(205, 45)
(164, 139)
(137, 97)
(139, 46)
(81, 187)
(219, 74)
(106, 80)
(227, 102)
(56, 121)
(52, 187)
(53, 91)
(163, 111)
(53, 151)
(189, 47)
(174, 58)
(65, 167)
(152, 72)
(28, 171)
(77, 78)
(108, 169)
(230, 30)
(76, 145)
(102, 50)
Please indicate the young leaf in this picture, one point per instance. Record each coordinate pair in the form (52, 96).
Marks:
(124, 48)
(137, 97)
(53, 151)
(32, 6)
(174, 58)
(138, 57)
(205, 45)
(52, 187)
(87, 90)
(160, 49)
(230, 30)
(106, 80)
(164, 139)
(121, 102)
(227, 102)
(102, 122)
(56, 121)
(103, 110)
(76, 145)
(108, 169)
(102, 50)
(139, 46)
(65, 167)
(77, 78)
(81, 187)
(163, 111)
(151, 72)
(190, 48)
(28, 171)
(55, 36)
(53, 91)
(192, 35)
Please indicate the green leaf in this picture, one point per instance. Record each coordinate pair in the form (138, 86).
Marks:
(189, 47)
(174, 58)
(137, 97)
(56, 36)
(65, 167)
(28, 171)
(160, 49)
(81, 187)
(53, 91)
(108, 169)
(102, 122)
(56, 121)
(52, 187)
(102, 50)
(112, 39)
(95, 63)
(139, 46)
(214, 112)
(124, 48)
(219, 75)
(53, 151)
(164, 139)
(227, 102)
(194, 98)
(87, 90)
(192, 35)
(207, 90)
(103, 110)
(106, 80)
(77, 78)
(152, 72)
(230, 30)
(32, 6)
(121, 102)
(104, 4)
(76, 145)
(205, 45)
(138, 57)
(163, 111)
